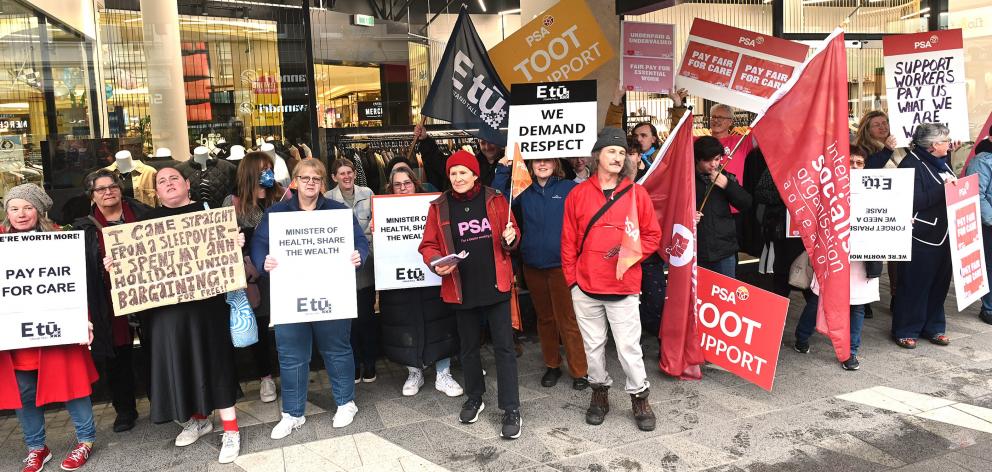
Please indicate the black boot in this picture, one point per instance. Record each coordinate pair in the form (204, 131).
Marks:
(599, 406)
(643, 414)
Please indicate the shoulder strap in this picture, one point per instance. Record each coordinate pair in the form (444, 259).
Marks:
(606, 206)
(95, 222)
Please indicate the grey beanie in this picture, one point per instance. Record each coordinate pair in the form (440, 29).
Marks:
(610, 137)
(32, 193)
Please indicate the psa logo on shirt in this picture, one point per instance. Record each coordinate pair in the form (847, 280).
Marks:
(38, 331)
(474, 227)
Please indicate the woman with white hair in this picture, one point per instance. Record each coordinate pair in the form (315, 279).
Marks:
(918, 306)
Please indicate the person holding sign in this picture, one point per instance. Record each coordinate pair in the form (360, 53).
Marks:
(294, 341)
(192, 356)
(717, 250)
(543, 207)
(365, 328)
(981, 164)
(876, 142)
(418, 328)
(113, 337)
(918, 306)
(33, 377)
(465, 220)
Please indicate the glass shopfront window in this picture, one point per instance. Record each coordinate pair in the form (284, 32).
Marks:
(974, 17)
(856, 16)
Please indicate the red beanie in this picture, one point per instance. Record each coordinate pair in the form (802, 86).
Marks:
(463, 158)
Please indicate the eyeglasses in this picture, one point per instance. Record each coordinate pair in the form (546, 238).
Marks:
(408, 183)
(719, 118)
(107, 188)
(307, 179)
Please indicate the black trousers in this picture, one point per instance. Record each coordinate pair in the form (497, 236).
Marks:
(470, 323)
(365, 330)
(653, 288)
(119, 372)
(260, 351)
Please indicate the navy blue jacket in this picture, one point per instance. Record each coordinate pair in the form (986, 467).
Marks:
(260, 240)
(543, 211)
(929, 204)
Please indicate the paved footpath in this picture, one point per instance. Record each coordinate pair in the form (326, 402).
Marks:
(923, 409)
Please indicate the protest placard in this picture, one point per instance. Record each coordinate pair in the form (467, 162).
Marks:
(43, 289)
(648, 56)
(736, 67)
(967, 251)
(925, 82)
(881, 214)
(306, 243)
(174, 259)
(553, 120)
(397, 229)
(563, 43)
(740, 326)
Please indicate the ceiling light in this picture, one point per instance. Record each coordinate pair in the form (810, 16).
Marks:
(515, 11)
(482, 5)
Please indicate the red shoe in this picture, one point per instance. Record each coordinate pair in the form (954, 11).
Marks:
(77, 457)
(37, 459)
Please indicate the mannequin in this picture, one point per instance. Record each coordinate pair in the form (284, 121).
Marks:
(237, 152)
(210, 179)
(161, 158)
(138, 178)
(163, 152)
(125, 163)
(278, 164)
(201, 155)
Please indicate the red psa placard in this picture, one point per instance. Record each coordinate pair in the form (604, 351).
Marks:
(760, 77)
(709, 64)
(740, 326)
(973, 272)
(966, 226)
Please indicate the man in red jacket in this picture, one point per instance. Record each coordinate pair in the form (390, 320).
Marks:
(596, 215)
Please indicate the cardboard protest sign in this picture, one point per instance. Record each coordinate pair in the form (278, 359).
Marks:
(648, 56)
(43, 290)
(740, 326)
(306, 243)
(563, 43)
(967, 251)
(397, 229)
(553, 120)
(174, 259)
(736, 67)
(881, 214)
(925, 82)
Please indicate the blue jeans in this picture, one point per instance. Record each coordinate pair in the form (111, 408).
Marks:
(443, 364)
(294, 343)
(726, 266)
(32, 418)
(807, 322)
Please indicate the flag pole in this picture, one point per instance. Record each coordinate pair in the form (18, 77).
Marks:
(413, 144)
(722, 166)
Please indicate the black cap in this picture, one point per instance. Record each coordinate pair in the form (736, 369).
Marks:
(610, 137)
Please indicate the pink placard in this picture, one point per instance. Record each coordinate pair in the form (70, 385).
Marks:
(648, 40)
(648, 74)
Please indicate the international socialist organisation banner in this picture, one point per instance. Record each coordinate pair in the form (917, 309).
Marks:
(42, 290)
(563, 43)
(174, 259)
(553, 120)
(964, 230)
(925, 83)
(737, 67)
(397, 229)
(315, 280)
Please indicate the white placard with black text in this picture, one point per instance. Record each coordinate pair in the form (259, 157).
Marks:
(881, 214)
(552, 120)
(397, 229)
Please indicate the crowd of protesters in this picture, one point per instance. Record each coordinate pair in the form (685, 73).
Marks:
(564, 230)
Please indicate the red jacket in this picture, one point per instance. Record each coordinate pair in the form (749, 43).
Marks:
(64, 373)
(439, 242)
(595, 268)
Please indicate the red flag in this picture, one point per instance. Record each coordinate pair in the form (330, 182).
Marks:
(804, 137)
(630, 241)
(671, 182)
(519, 175)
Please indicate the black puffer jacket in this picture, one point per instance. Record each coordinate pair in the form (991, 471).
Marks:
(716, 229)
(417, 327)
(212, 184)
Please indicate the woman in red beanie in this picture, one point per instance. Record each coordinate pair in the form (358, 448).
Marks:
(466, 219)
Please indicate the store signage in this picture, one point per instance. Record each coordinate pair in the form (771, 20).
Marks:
(553, 120)
(965, 233)
(881, 214)
(13, 124)
(563, 43)
(740, 326)
(648, 57)
(282, 108)
(925, 83)
(370, 110)
(363, 20)
(736, 67)
(397, 229)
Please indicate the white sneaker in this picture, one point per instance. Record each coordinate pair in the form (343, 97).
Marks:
(267, 390)
(413, 382)
(446, 384)
(345, 415)
(287, 425)
(193, 430)
(230, 447)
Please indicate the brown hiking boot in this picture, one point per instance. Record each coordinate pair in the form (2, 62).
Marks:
(599, 406)
(643, 415)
